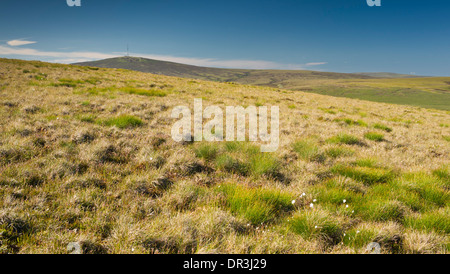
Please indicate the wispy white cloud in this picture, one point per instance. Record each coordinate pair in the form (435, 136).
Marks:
(5, 50)
(15, 43)
(315, 64)
(82, 56)
(70, 60)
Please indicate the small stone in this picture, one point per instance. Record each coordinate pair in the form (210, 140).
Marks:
(74, 248)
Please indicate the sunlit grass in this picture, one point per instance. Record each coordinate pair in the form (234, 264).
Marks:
(96, 150)
(374, 136)
(308, 149)
(382, 127)
(436, 221)
(257, 205)
(345, 139)
(122, 121)
(367, 175)
(316, 224)
(144, 92)
(336, 152)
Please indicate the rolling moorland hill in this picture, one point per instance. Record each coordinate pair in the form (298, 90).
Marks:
(86, 156)
(215, 74)
(388, 75)
(428, 92)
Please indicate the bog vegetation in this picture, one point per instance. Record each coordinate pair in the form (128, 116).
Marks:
(86, 156)
(428, 92)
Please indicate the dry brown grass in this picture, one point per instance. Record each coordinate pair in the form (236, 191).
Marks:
(67, 175)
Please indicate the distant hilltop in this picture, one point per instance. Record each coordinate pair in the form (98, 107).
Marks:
(386, 87)
(273, 78)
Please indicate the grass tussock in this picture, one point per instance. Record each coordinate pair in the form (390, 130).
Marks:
(382, 210)
(257, 205)
(12, 229)
(309, 150)
(242, 159)
(336, 152)
(388, 235)
(122, 121)
(438, 221)
(317, 224)
(374, 136)
(351, 122)
(345, 139)
(367, 175)
(382, 127)
(143, 92)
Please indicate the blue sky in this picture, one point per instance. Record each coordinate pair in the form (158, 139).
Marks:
(403, 36)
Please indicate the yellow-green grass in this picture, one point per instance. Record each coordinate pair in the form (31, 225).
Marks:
(345, 139)
(382, 127)
(374, 136)
(144, 92)
(241, 158)
(436, 221)
(97, 165)
(258, 206)
(308, 149)
(351, 122)
(429, 92)
(367, 175)
(122, 121)
(317, 224)
(336, 152)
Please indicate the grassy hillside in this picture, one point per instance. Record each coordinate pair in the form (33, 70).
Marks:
(427, 92)
(245, 76)
(86, 155)
(388, 75)
(393, 88)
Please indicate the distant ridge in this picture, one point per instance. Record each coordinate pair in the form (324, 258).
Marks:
(388, 75)
(245, 76)
(432, 92)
